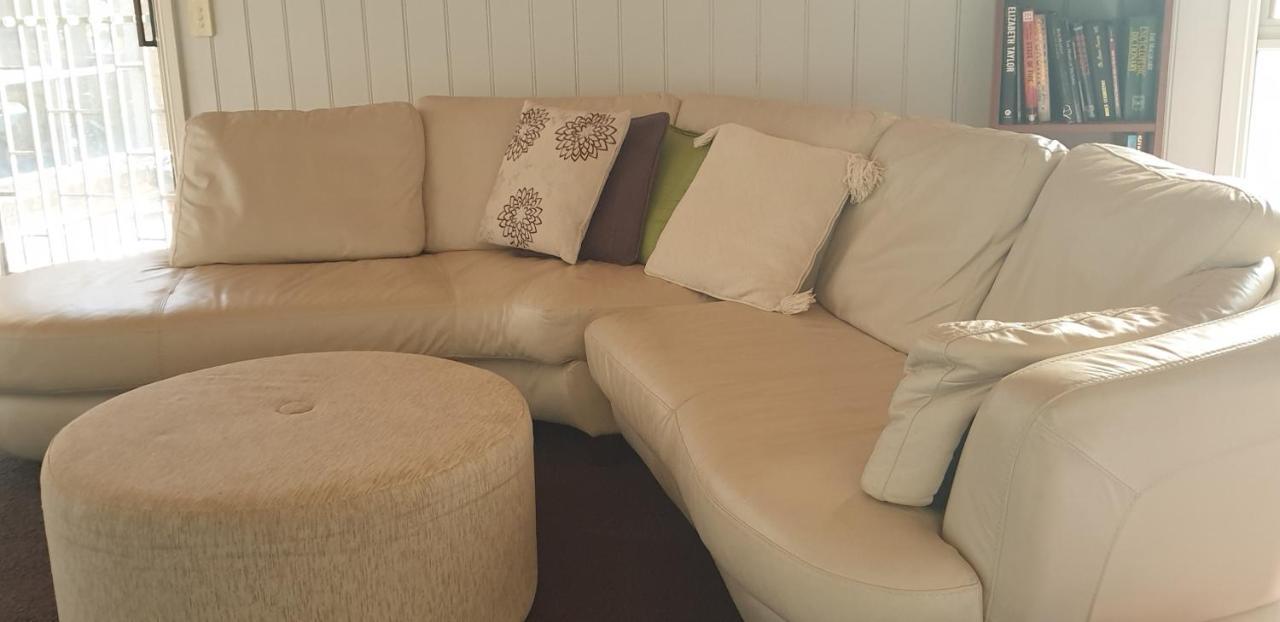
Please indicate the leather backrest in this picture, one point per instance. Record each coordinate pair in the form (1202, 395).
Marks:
(925, 247)
(850, 129)
(1114, 227)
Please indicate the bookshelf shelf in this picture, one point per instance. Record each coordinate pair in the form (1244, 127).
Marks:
(1117, 14)
(1079, 128)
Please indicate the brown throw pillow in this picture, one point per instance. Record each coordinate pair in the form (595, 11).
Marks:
(617, 227)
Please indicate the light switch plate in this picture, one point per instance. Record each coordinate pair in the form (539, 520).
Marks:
(201, 18)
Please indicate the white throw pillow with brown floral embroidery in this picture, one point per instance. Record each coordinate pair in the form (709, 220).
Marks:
(551, 178)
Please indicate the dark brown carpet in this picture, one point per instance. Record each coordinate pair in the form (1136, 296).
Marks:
(611, 546)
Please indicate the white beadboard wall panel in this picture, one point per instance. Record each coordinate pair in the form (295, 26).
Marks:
(880, 40)
(597, 30)
(269, 53)
(784, 47)
(555, 47)
(643, 59)
(975, 37)
(236, 83)
(927, 57)
(830, 60)
(510, 29)
(690, 29)
(384, 22)
(199, 80)
(308, 53)
(736, 47)
(428, 47)
(930, 58)
(348, 51)
(469, 59)
(920, 57)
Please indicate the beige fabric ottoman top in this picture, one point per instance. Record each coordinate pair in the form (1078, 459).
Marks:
(340, 486)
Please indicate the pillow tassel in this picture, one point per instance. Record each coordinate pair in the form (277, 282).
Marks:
(706, 138)
(862, 176)
(796, 303)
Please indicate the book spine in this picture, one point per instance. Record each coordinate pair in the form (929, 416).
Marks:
(1082, 68)
(1030, 92)
(1059, 82)
(1115, 72)
(1009, 68)
(1153, 76)
(1071, 82)
(1099, 72)
(1044, 101)
(1140, 69)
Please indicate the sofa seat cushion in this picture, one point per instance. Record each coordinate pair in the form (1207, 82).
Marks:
(543, 304)
(97, 326)
(759, 425)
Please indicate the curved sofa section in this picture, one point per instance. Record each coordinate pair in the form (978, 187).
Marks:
(759, 425)
(73, 335)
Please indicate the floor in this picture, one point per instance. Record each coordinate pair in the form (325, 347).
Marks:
(611, 546)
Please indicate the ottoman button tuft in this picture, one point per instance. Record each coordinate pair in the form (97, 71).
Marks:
(296, 407)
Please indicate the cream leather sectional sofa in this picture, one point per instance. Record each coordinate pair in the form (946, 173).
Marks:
(1136, 482)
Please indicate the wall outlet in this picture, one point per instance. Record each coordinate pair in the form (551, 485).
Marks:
(201, 18)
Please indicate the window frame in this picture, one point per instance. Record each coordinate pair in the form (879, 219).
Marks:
(1246, 19)
(1269, 25)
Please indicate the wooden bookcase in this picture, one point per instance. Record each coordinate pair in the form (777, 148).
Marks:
(1072, 134)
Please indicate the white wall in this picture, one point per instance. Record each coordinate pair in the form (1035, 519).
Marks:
(924, 57)
(1198, 55)
(920, 57)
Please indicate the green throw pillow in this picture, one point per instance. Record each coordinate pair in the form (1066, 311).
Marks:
(678, 163)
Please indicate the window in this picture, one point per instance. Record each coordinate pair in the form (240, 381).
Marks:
(1262, 159)
(85, 166)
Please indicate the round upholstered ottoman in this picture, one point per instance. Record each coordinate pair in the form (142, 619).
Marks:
(341, 486)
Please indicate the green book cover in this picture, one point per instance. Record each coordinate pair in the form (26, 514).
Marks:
(1141, 68)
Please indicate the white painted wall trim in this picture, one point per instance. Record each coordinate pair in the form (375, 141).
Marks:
(175, 103)
(1237, 86)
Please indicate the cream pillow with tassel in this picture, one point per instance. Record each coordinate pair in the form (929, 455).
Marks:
(755, 219)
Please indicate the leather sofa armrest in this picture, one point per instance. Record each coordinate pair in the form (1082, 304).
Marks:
(1133, 482)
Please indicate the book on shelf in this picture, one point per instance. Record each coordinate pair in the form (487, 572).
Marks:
(1140, 68)
(1030, 49)
(1100, 69)
(1135, 140)
(1114, 84)
(1086, 75)
(1010, 76)
(1044, 100)
(1061, 78)
(1054, 69)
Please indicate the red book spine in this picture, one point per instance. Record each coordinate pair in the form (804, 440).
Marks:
(1030, 52)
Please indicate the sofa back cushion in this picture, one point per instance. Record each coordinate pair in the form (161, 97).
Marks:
(251, 180)
(925, 247)
(466, 138)
(848, 129)
(1115, 227)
